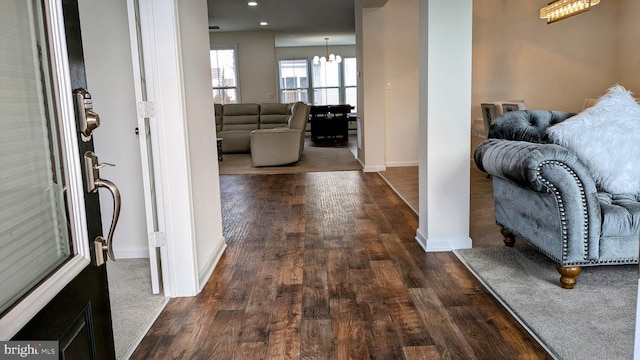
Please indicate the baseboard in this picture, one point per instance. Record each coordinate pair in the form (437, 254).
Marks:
(373, 168)
(205, 274)
(442, 244)
(403, 164)
(141, 253)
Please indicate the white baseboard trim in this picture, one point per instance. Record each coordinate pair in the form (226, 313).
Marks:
(141, 253)
(205, 274)
(373, 168)
(442, 244)
(403, 164)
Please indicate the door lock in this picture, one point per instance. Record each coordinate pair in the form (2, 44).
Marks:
(89, 120)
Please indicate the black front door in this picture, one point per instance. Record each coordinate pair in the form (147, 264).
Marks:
(79, 316)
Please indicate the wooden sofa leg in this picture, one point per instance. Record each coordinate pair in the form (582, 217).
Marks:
(568, 275)
(509, 238)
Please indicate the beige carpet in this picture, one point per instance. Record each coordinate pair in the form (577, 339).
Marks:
(313, 159)
(595, 320)
(133, 307)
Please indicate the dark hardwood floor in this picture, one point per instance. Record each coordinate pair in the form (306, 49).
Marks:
(325, 266)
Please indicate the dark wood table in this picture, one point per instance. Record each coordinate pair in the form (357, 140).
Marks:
(329, 121)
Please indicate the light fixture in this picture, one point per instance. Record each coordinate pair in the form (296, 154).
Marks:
(252, 3)
(329, 57)
(562, 9)
(263, 23)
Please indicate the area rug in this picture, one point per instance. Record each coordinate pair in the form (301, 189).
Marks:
(313, 159)
(595, 320)
(133, 307)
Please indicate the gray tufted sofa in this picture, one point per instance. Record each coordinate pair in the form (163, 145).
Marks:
(545, 195)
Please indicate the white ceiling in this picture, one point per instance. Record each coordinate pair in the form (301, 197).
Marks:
(294, 22)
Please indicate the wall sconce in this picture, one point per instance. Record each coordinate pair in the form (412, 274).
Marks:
(562, 9)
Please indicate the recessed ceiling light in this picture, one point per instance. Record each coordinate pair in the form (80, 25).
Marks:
(252, 3)
(263, 23)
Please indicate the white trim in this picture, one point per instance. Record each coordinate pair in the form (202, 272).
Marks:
(164, 78)
(66, 115)
(442, 244)
(402, 164)
(421, 239)
(40, 296)
(206, 272)
(145, 157)
(374, 168)
(636, 342)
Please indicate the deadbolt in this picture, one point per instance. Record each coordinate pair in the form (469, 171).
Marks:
(89, 120)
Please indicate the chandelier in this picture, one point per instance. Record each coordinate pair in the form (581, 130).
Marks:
(328, 58)
(562, 9)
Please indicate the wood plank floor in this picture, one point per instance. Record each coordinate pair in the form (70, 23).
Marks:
(482, 225)
(325, 266)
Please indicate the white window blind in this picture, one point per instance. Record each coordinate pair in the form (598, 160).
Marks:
(34, 235)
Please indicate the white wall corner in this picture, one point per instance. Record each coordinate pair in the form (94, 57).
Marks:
(207, 270)
(442, 244)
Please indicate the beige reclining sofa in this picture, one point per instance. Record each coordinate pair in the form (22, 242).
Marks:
(234, 123)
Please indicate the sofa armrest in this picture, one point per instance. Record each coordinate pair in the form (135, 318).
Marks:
(550, 169)
(522, 163)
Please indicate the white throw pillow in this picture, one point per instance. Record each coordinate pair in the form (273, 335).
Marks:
(606, 138)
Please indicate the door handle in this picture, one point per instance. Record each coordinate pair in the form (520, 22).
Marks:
(94, 182)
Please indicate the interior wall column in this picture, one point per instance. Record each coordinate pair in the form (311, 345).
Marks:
(445, 112)
(372, 87)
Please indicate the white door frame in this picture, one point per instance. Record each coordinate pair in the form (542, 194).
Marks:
(162, 59)
(145, 111)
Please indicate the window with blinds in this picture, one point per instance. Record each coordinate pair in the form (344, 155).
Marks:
(34, 230)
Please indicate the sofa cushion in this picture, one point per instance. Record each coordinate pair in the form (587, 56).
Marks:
(525, 125)
(274, 115)
(606, 138)
(240, 116)
(620, 225)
